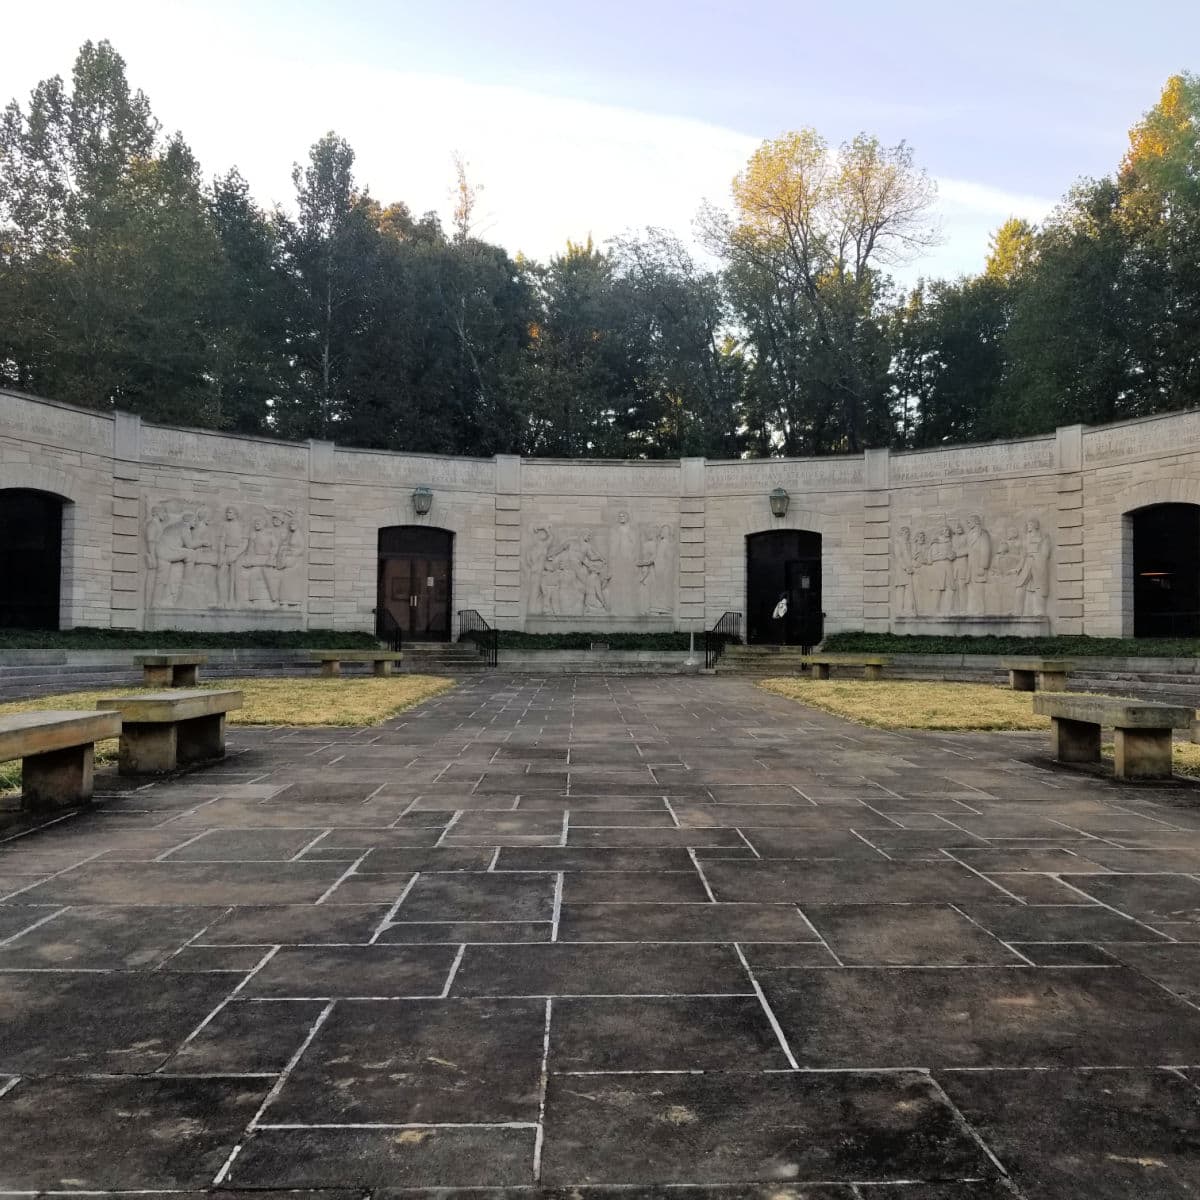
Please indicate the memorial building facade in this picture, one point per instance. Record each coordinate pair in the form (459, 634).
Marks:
(108, 521)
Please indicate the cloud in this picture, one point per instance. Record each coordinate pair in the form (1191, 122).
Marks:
(962, 196)
(551, 167)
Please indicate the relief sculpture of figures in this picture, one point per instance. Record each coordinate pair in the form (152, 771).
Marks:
(940, 571)
(961, 568)
(978, 545)
(1033, 576)
(537, 573)
(614, 571)
(658, 579)
(251, 558)
(906, 594)
(958, 569)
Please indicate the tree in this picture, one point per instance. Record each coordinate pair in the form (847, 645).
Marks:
(109, 256)
(252, 368)
(466, 198)
(810, 233)
(689, 396)
(949, 361)
(581, 374)
(1012, 251)
(333, 250)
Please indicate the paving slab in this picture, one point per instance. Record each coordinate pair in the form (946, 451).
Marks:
(82, 1134)
(654, 1129)
(1111, 1135)
(981, 1017)
(595, 938)
(419, 1062)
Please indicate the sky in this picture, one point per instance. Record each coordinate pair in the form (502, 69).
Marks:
(596, 119)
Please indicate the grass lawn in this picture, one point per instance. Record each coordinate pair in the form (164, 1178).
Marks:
(917, 704)
(346, 701)
(913, 704)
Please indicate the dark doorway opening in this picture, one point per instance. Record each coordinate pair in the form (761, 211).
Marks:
(415, 580)
(1166, 571)
(785, 563)
(31, 551)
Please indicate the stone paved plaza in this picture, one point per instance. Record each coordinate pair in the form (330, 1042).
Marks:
(608, 937)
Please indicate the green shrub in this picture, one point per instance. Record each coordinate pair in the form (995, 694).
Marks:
(1042, 647)
(184, 639)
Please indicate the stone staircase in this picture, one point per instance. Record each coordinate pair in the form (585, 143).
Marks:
(442, 658)
(760, 660)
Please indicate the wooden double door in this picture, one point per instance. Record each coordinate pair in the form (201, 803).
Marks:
(415, 580)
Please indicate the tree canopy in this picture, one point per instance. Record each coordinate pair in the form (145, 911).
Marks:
(129, 280)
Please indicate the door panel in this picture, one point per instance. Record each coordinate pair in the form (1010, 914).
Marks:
(783, 563)
(415, 580)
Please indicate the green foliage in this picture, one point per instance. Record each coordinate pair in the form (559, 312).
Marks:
(1042, 647)
(127, 280)
(184, 639)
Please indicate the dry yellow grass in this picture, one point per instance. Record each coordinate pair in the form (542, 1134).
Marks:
(917, 704)
(913, 704)
(346, 701)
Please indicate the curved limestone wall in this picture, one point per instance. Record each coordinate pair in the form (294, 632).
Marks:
(183, 528)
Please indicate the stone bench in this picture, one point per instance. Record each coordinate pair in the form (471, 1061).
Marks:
(161, 731)
(872, 664)
(1143, 731)
(57, 752)
(1037, 674)
(173, 670)
(381, 661)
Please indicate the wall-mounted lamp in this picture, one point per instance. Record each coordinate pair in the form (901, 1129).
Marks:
(422, 499)
(779, 502)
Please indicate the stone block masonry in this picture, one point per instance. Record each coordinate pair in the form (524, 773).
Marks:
(181, 528)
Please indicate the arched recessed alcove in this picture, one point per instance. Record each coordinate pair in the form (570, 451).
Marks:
(784, 564)
(1166, 570)
(31, 544)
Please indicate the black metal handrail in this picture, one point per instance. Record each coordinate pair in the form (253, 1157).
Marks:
(727, 629)
(388, 631)
(472, 626)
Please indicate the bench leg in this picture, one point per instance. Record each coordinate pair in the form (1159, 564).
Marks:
(201, 739)
(383, 666)
(1142, 753)
(873, 673)
(185, 675)
(148, 749)
(59, 779)
(156, 676)
(1021, 681)
(820, 670)
(331, 668)
(1051, 681)
(1074, 741)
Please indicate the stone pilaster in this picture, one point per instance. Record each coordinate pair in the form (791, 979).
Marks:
(508, 541)
(692, 519)
(1068, 536)
(128, 574)
(322, 539)
(877, 542)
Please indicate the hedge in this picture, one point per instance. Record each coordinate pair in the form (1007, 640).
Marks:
(1042, 647)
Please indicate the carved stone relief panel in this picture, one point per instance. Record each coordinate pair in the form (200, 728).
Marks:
(619, 570)
(232, 558)
(959, 567)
